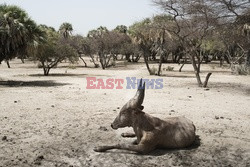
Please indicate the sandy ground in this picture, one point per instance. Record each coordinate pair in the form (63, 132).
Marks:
(56, 121)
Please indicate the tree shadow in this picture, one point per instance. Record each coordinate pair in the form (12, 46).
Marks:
(11, 83)
(58, 75)
(224, 72)
(229, 87)
(68, 75)
(177, 76)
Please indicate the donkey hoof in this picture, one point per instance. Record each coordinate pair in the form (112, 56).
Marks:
(99, 149)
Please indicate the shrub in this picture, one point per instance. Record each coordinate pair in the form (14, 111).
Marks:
(153, 71)
(169, 68)
(242, 69)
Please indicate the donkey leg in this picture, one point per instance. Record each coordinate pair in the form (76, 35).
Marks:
(128, 135)
(104, 148)
(142, 149)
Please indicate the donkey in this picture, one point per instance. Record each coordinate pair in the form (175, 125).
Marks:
(151, 132)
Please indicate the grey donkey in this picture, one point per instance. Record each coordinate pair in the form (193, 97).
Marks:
(151, 132)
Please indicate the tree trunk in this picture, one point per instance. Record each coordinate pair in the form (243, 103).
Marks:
(93, 60)
(206, 80)
(83, 61)
(197, 74)
(101, 57)
(160, 64)
(128, 57)
(163, 53)
(8, 63)
(221, 61)
(46, 71)
(107, 62)
(198, 63)
(146, 62)
(182, 66)
(137, 57)
(248, 59)
(196, 71)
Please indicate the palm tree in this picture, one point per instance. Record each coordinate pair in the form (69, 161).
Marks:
(121, 29)
(18, 33)
(66, 29)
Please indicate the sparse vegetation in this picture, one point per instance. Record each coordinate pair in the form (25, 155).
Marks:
(52, 114)
(201, 37)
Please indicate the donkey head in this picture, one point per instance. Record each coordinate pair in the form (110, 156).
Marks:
(125, 117)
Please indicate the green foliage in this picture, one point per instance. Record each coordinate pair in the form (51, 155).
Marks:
(53, 50)
(153, 70)
(18, 33)
(107, 44)
(169, 68)
(241, 69)
(212, 45)
(121, 29)
(66, 29)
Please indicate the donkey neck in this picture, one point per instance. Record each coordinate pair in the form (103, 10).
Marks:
(142, 121)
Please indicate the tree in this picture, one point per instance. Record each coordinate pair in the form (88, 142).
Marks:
(152, 38)
(121, 29)
(141, 36)
(197, 20)
(108, 44)
(83, 47)
(53, 50)
(66, 29)
(18, 33)
(192, 21)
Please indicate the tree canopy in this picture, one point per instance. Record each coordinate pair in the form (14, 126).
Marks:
(18, 32)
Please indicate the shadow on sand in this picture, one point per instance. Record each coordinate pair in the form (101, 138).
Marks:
(231, 87)
(69, 75)
(58, 75)
(178, 76)
(11, 83)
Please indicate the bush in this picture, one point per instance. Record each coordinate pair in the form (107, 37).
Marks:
(39, 65)
(169, 68)
(240, 69)
(153, 71)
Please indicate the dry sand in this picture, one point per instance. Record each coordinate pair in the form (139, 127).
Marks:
(56, 121)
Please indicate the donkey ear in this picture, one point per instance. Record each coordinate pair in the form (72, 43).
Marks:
(137, 100)
(140, 93)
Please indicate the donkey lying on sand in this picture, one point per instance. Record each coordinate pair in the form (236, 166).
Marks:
(151, 132)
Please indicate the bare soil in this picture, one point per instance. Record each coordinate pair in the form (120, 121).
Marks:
(56, 121)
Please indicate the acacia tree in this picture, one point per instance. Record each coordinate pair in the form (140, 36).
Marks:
(233, 33)
(83, 47)
(97, 39)
(140, 33)
(153, 39)
(192, 22)
(53, 50)
(195, 20)
(77, 42)
(108, 44)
